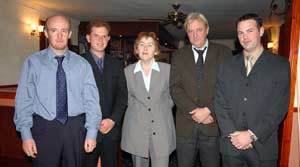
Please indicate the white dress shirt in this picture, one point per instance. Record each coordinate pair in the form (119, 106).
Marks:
(204, 53)
(147, 79)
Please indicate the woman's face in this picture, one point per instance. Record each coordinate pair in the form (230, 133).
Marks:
(146, 49)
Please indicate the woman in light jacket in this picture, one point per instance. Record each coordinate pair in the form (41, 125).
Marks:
(148, 130)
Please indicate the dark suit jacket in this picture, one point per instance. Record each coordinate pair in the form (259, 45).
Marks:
(112, 88)
(183, 86)
(258, 102)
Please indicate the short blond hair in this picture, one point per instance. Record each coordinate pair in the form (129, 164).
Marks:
(195, 16)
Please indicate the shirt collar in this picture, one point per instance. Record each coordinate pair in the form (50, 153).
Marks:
(52, 55)
(205, 45)
(255, 55)
(138, 66)
(97, 58)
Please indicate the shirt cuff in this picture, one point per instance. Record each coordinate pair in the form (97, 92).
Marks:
(26, 134)
(252, 135)
(92, 134)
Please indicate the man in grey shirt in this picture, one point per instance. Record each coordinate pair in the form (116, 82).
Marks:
(56, 98)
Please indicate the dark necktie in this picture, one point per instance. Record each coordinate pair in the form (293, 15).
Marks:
(200, 71)
(200, 55)
(61, 93)
(100, 65)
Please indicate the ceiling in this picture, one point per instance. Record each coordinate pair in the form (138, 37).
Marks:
(221, 14)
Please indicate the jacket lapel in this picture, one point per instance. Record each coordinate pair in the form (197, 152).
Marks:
(210, 58)
(91, 60)
(139, 82)
(259, 64)
(154, 83)
(189, 62)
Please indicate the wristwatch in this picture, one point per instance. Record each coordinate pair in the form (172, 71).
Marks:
(252, 136)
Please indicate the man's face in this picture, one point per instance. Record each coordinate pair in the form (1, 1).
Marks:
(58, 32)
(98, 38)
(197, 32)
(249, 35)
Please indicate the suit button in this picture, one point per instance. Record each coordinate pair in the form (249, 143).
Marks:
(152, 121)
(148, 97)
(247, 84)
(245, 99)
(244, 113)
(154, 133)
(149, 109)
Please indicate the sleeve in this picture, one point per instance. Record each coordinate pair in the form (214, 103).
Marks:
(24, 101)
(224, 54)
(120, 102)
(182, 101)
(222, 108)
(167, 94)
(91, 103)
(278, 108)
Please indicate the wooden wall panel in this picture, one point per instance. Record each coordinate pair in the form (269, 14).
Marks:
(289, 49)
(126, 29)
(43, 39)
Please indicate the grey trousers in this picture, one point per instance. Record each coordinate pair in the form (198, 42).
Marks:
(161, 161)
(155, 161)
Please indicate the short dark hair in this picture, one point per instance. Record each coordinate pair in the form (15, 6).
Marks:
(249, 16)
(97, 23)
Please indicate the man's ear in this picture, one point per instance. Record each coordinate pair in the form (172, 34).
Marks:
(88, 38)
(70, 33)
(261, 31)
(46, 33)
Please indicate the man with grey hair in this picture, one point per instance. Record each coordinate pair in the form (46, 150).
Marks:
(192, 85)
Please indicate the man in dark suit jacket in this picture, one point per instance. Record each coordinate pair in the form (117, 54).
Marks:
(192, 86)
(110, 79)
(252, 97)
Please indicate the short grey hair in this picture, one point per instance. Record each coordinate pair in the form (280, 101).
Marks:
(195, 16)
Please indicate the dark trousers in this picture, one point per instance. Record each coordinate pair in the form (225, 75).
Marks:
(58, 144)
(126, 159)
(248, 158)
(107, 150)
(205, 148)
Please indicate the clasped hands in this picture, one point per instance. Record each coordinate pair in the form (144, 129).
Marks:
(202, 115)
(241, 140)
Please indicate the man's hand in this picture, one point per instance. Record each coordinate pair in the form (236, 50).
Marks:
(106, 125)
(29, 147)
(208, 120)
(241, 140)
(89, 145)
(200, 114)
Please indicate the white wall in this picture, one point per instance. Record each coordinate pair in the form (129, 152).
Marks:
(16, 43)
